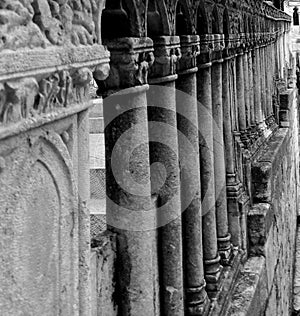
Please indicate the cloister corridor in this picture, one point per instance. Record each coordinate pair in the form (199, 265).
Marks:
(149, 158)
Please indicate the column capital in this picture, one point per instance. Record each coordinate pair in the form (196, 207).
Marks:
(190, 50)
(167, 55)
(211, 48)
(131, 58)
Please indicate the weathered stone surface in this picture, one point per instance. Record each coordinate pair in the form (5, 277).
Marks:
(39, 214)
(49, 52)
(259, 222)
(103, 275)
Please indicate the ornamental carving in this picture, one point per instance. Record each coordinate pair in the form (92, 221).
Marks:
(40, 23)
(29, 98)
(131, 59)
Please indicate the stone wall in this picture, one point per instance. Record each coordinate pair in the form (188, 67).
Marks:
(264, 286)
(48, 55)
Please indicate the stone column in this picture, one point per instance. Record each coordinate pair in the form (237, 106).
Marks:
(263, 81)
(197, 302)
(130, 211)
(282, 60)
(269, 82)
(278, 49)
(257, 90)
(224, 244)
(204, 92)
(240, 86)
(233, 185)
(247, 91)
(276, 56)
(164, 150)
(251, 93)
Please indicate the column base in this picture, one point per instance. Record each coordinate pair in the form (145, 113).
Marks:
(254, 133)
(198, 303)
(245, 139)
(213, 273)
(225, 250)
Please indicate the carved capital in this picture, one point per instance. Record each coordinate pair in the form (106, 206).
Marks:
(218, 42)
(190, 49)
(167, 55)
(130, 61)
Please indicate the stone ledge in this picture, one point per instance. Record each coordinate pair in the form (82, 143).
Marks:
(250, 291)
(265, 165)
(259, 223)
(31, 62)
(286, 101)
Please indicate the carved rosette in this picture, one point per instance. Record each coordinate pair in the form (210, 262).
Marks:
(167, 55)
(131, 58)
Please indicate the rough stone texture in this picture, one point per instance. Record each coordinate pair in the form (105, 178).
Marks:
(103, 257)
(39, 226)
(271, 226)
(47, 59)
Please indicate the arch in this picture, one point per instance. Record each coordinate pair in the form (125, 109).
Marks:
(183, 23)
(245, 20)
(121, 18)
(157, 19)
(296, 16)
(215, 21)
(226, 23)
(202, 20)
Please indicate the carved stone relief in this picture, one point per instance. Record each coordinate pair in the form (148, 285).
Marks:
(40, 23)
(28, 97)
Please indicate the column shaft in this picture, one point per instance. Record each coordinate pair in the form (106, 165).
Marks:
(232, 185)
(247, 89)
(257, 88)
(164, 150)
(263, 81)
(224, 244)
(187, 120)
(210, 249)
(240, 94)
(130, 212)
(165, 172)
(251, 92)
